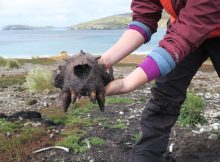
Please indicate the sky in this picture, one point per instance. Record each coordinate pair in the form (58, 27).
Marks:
(58, 13)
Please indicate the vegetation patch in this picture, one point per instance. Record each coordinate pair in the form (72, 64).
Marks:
(96, 141)
(12, 63)
(39, 80)
(75, 143)
(120, 125)
(192, 111)
(121, 100)
(6, 126)
(81, 107)
(9, 144)
(137, 137)
(37, 60)
(11, 80)
(2, 61)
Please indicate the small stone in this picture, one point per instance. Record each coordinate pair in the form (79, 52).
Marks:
(131, 117)
(8, 134)
(208, 95)
(216, 95)
(213, 137)
(31, 101)
(51, 135)
(215, 126)
(45, 104)
(121, 112)
(203, 129)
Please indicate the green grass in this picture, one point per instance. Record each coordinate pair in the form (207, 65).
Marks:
(2, 61)
(120, 125)
(6, 126)
(137, 137)
(192, 111)
(96, 141)
(39, 80)
(75, 143)
(12, 148)
(11, 80)
(81, 107)
(121, 100)
(12, 63)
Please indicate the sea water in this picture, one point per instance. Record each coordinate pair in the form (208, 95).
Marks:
(32, 43)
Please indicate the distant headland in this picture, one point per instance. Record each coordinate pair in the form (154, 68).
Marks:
(114, 22)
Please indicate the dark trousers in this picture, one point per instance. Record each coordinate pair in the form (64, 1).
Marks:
(169, 92)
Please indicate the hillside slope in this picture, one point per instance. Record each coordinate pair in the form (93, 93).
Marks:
(113, 22)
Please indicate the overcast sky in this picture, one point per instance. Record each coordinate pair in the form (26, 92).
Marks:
(58, 12)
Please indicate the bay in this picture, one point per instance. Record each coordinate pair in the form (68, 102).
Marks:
(44, 43)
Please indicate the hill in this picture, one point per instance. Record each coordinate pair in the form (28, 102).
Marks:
(113, 22)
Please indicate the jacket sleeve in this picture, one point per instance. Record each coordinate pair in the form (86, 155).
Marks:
(195, 21)
(191, 28)
(145, 15)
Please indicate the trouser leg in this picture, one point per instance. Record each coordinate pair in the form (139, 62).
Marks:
(162, 110)
(212, 48)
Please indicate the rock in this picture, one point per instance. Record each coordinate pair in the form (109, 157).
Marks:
(36, 124)
(203, 129)
(213, 137)
(45, 104)
(51, 135)
(215, 126)
(8, 134)
(121, 112)
(31, 101)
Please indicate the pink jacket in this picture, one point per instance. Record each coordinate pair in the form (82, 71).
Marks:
(196, 18)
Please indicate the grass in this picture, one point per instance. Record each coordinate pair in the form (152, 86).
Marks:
(96, 141)
(37, 60)
(114, 100)
(192, 111)
(2, 61)
(9, 145)
(12, 63)
(137, 137)
(39, 80)
(6, 126)
(75, 143)
(120, 125)
(11, 80)
(81, 107)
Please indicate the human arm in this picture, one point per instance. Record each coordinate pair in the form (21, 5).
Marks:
(131, 82)
(129, 41)
(145, 17)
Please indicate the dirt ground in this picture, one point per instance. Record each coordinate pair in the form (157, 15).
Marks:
(188, 146)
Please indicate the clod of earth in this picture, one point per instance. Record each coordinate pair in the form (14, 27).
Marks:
(23, 115)
(82, 75)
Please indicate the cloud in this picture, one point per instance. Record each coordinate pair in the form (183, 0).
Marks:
(58, 12)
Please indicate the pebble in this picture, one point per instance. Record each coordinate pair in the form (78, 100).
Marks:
(51, 135)
(8, 134)
(213, 137)
(215, 126)
(121, 112)
(45, 104)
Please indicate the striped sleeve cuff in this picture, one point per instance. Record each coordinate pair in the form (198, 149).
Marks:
(163, 59)
(142, 29)
(150, 68)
